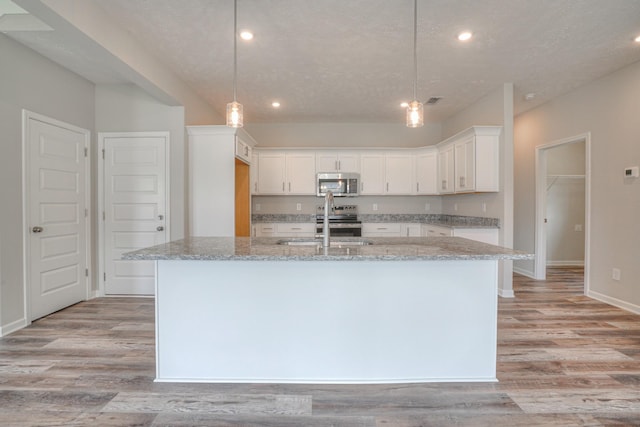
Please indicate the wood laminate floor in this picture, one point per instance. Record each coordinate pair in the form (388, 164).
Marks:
(563, 360)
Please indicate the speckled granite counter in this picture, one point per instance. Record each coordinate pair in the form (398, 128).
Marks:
(380, 249)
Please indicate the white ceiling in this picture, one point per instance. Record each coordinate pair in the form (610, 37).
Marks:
(351, 60)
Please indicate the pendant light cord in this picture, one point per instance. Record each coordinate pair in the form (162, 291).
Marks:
(415, 54)
(235, 47)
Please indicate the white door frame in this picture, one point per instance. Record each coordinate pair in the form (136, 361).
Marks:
(540, 264)
(26, 202)
(101, 192)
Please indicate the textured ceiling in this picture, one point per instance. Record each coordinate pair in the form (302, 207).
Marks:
(351, 60)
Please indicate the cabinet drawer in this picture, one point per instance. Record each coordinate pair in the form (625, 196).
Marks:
(381, 229)
(294, 227)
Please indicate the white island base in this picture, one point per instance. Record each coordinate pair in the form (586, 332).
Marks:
(326, 322)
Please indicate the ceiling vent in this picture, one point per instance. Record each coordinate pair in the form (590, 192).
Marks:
(433, 100)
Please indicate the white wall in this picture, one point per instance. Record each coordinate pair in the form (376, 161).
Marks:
(494, 109)
(126, 108)
(28, 81)
(356, 135)
(608, 109)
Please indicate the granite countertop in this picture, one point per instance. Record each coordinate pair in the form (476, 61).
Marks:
(380, 249)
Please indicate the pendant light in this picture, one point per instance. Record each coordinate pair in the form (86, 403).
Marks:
(415, 109)
(234, 109)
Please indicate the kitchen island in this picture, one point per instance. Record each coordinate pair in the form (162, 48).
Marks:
(391, 310)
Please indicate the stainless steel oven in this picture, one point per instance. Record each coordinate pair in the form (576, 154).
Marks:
(343, 221)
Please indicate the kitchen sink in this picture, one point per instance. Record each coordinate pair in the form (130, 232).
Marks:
(334, 243)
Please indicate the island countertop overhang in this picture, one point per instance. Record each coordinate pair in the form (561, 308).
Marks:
(379, 249)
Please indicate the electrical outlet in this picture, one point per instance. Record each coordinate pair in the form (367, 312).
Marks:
(298, 206)
(258, 207)
(427, 206)
(577, 227)
(455, 207)
(615, 274)
(375, 206)
(484, 207)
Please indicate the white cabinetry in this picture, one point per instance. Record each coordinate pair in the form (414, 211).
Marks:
(286, 172)
(429, 230)
(475, 164)
(410, 230)
(445, 169)
(372, 177)
(331, 161)
(427, 171)
(399, 174)
(285, 229)
(212, 176)
(387, 173)
(485, 235)
(381, 229)
(271, 173)
(243, 149)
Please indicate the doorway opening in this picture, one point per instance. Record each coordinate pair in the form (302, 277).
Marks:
(563, 205)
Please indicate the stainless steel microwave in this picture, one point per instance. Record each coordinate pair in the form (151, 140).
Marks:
(340, 184)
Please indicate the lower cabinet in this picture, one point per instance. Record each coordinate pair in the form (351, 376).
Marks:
(381, 229)
(285, 229)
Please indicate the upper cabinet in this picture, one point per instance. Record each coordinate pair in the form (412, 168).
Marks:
(332, 161)
(427, 171)
(445, 169)
(372, 177)
(470, 161)
(399, 174)
(286, 172)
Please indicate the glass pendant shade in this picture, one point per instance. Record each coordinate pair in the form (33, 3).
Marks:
(415, 114)
(234, 114)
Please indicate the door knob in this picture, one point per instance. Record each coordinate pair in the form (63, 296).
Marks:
(160, 228)
(37, 229)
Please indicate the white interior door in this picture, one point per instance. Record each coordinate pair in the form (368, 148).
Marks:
(56, 257)
(135, 208)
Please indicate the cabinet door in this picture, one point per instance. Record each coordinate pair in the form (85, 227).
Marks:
(301, 173)
(349, 162)
(465, 165)
(399, 173)
(382, 229)
(253, 172)
(410, 230)
(271, 173)
(372, 174)
(427, 172)
(326, 162)
(445, 170)
(243, 150)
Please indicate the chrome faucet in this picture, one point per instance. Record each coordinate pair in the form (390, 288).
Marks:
(328, 207)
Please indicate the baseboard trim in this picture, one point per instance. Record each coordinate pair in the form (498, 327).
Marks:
(524, 272)
(614, 302)
(506, 293)
(12, 327)
(576, 263)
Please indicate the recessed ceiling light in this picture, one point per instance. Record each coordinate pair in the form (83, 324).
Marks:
(464, 36)
(637, 39)
(246, 35)
(530, 96)
(275, 104)
(404, 105)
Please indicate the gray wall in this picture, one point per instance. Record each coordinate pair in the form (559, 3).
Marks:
(608, 109)
(126, 108)
(28, 81)
(356, 135)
